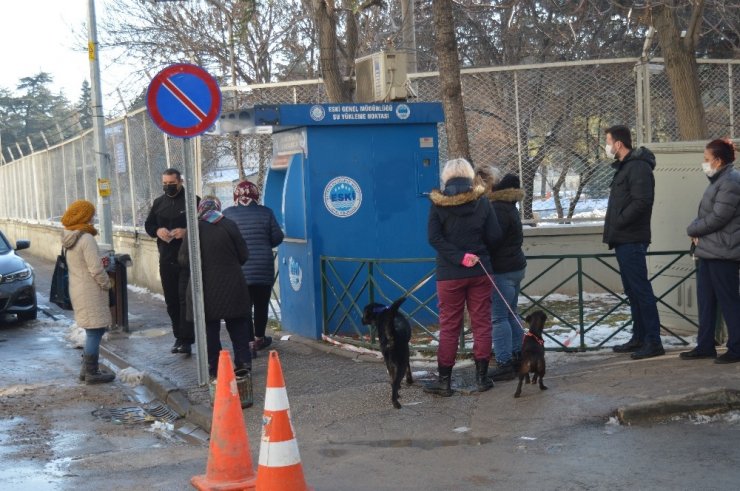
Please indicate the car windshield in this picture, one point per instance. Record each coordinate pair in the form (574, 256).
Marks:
(4, 246)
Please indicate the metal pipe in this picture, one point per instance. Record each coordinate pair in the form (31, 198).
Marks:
(101, 154)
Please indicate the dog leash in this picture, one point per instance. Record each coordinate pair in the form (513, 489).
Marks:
(490, 278)
(566, 343)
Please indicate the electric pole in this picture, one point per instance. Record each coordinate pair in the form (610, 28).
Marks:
(98, 119)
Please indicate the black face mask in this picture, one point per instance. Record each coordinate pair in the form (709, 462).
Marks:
(170, 189)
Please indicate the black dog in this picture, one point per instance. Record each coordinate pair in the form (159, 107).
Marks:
(394, 333)
(533, 352)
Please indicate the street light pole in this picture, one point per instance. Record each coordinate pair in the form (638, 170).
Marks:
(101, 153)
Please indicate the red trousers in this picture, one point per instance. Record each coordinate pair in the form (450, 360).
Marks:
(453, 295)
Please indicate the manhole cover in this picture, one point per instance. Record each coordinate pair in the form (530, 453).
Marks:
(136, 414)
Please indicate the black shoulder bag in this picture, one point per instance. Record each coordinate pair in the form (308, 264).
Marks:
(59, 293)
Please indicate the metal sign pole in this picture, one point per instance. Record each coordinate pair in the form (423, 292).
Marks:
(196, 277)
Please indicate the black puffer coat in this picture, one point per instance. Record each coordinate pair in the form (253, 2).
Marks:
(718, 222)
(223, 251)
(508, 255)
(167, 212)
(461, 221)
(260, 229)
(631, 199)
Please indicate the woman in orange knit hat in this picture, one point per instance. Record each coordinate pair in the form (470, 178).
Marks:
(88, 285)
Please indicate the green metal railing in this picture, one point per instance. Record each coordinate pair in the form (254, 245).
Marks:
(362, 280)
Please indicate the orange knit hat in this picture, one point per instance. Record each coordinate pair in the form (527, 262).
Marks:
(78, 213)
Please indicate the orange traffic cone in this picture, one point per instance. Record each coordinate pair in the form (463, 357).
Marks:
(229, 458)
(279, 466)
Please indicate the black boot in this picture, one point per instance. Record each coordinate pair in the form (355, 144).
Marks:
(482, 380)
(503, 371)
(629, 347)
(441, 386)
(648, 350)
(93, 375)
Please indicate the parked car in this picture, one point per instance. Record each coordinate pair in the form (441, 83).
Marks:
(17, 281)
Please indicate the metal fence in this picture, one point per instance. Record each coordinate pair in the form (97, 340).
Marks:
(542, 122)
(587, 321)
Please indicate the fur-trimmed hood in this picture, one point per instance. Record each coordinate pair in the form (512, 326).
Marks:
(70, 238)
(510, 195)
(440, 199)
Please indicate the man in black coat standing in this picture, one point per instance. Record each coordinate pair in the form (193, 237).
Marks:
(167, 222)
(627, 231)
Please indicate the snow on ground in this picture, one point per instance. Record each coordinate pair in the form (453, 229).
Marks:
(564, 327)
(145, 291)
(585, 208)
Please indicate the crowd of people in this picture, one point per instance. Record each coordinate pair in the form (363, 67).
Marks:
(474, 227)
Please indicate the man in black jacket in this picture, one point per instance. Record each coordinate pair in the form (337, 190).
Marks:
(167, 222)
(627, 231)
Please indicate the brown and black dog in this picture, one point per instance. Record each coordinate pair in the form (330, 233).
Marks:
(394, 334)
(533, 352)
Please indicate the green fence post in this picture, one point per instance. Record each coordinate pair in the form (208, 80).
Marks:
(324, 304)
(371, 293)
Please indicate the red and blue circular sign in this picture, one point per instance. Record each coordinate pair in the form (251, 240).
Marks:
(183, 100)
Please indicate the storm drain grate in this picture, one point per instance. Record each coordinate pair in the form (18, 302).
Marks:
(161, 412)
(135, 414)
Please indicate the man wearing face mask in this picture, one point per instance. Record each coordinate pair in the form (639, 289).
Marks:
(627, 231)
(167, 222)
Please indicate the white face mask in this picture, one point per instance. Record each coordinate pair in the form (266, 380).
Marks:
(707, 168)
(609, 150)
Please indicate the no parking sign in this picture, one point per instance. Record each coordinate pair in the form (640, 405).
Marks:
(183, 100)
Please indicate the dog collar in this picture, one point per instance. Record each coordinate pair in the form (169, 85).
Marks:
(539, 340)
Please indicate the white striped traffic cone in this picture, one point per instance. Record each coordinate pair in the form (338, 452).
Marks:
(280, 466)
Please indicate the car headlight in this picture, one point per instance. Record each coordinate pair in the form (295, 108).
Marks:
(23, 274)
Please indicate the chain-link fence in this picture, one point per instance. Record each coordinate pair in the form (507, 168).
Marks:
(542, 122)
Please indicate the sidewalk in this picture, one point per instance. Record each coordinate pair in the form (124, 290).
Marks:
(340, 406)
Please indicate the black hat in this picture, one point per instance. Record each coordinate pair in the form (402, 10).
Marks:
(509, 181)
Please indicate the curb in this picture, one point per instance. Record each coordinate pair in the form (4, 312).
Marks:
(712, 400)
(200, 414)
(175, 398)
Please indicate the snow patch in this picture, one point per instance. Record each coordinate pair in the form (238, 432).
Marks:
(131, 376)
(76, 336)
(145, 291)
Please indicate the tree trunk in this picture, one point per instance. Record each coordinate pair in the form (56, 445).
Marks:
(326, 22)
(682, 72)
(448, 61)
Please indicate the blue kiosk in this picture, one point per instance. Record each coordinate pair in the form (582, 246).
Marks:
(350, 181)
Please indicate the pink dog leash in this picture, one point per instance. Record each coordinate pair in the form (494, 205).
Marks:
(566, 343)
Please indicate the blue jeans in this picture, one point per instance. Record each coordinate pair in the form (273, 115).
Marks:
(643, 305)
(92, 340)
(507, 333)
(717, 282)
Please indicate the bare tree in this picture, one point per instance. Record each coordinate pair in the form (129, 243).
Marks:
(448, 62)
(679, 52)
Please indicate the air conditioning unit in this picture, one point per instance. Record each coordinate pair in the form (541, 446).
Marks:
(381, 77)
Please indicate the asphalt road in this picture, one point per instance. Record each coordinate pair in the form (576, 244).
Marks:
(349, 436)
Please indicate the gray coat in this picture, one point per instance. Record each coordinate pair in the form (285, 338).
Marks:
(718, 223)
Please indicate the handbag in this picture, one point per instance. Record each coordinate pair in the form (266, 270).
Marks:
(59, 293)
